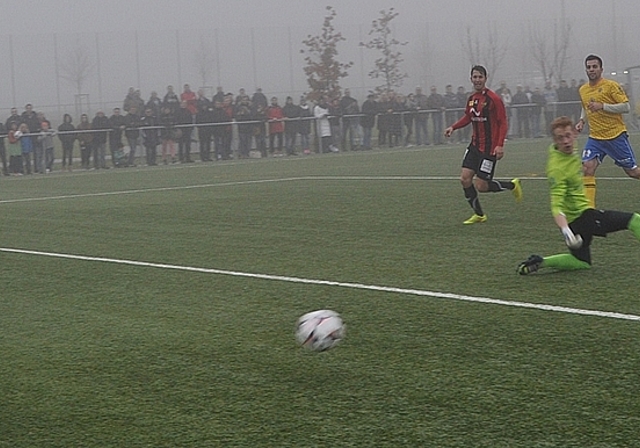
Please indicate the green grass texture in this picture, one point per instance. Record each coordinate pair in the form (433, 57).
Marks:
(155, 307)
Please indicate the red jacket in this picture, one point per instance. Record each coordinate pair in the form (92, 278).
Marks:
(275, 117)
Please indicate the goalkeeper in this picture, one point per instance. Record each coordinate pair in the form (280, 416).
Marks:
(570, 207)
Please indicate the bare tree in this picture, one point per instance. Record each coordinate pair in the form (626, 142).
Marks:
(551, 50)
(323, 70)
(540, 50)
(76, 67)
(204, 60)
(387, 66)
(486, 50)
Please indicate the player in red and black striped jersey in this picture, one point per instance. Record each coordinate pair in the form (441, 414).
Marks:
(485, 111)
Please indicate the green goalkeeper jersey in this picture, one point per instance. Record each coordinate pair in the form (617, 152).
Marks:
(564, 173)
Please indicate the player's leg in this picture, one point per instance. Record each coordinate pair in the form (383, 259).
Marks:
(634, 225)
(634, 173)
(592, 156)
(469, 170)
(486, 182)
(471, 195)
(620, 150)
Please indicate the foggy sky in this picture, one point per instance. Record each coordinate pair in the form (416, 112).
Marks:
(165, 29)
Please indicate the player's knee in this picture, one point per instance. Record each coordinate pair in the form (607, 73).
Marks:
(634, 173)
(482, 185)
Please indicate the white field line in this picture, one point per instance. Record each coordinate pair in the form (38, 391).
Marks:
(415, 292)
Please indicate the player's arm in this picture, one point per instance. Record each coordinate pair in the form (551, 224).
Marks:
(462, 122)
(582, 121)
(558, 191)
(499, 116)
(618, 108)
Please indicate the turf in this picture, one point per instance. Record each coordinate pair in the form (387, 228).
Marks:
(96, 353)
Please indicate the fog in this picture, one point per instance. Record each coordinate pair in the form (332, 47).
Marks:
(247, 43)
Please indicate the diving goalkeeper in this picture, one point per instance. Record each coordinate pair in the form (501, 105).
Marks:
(570, 207)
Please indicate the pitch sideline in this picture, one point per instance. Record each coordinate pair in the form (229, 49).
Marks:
(415, 292)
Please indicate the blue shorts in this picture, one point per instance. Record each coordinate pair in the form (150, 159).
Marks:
(617, 148)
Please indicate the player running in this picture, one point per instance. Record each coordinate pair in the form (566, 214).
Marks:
(603, 103)
(485, 111)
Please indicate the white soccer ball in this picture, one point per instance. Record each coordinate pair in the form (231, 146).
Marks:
(320, 330)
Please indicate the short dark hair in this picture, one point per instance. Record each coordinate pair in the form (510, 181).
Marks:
(593, 57)
(479, 68)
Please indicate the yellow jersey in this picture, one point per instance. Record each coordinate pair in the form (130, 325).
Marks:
(603, 125)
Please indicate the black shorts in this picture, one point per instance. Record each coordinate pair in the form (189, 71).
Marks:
(597, 223)
(482, 164)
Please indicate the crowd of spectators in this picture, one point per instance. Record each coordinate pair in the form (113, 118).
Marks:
(164, 129)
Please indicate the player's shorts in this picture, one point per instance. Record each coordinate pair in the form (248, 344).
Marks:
(619, 149)
(597, 223)
(482, 164)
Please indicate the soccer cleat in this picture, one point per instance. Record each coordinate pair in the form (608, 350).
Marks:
(517, 189)
(530, 265)
(475, 219)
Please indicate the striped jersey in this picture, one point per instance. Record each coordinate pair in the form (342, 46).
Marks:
(485, 111)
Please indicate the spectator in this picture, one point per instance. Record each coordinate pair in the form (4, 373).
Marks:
(350, 121)
(321, 114)
(564, 99)
(507, 99)
(395, 120)
(451, 105)
(275, 115)
(305, 125)
(26, 144)
(171, 100)
(85, 139)
(129, 99)
(244, 115)
(435, 103)
(117, 123)
(219, 118)
(132, 134)
(191, 100)
(291, 113)
(259, 129)
(368, 121)
(150, 136)
(520, 102)
(384, 112)
(335, 115)
(538, 101)
(46, 141)
(14, 148)
(13, 118)
(422, 137)
(259, 99)
(3, 151)
(168, 135)
(30, 118)
(183, 120)
(101, 124)
(67, 139)
(154, 103)
(409, 116)
(204, 120)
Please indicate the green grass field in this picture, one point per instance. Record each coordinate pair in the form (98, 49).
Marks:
(172, 323)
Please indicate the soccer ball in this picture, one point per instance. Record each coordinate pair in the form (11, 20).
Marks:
(320, 330)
